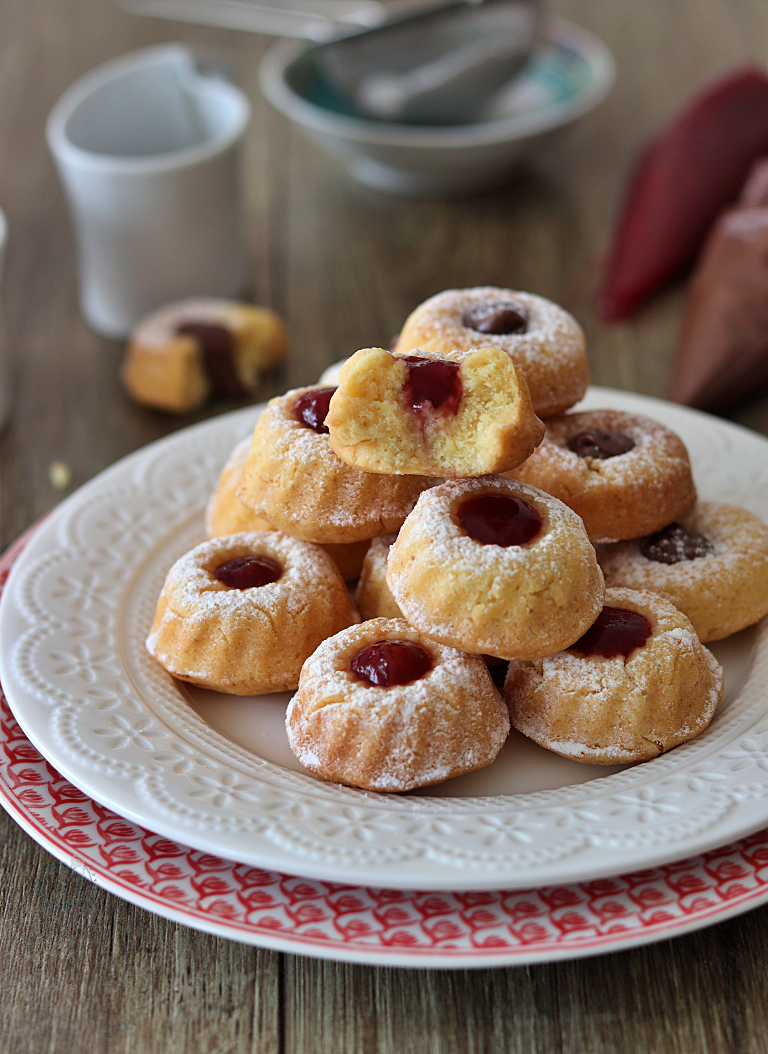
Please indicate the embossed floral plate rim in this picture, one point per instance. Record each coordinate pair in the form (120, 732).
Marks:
(403, 928)
(77, 608)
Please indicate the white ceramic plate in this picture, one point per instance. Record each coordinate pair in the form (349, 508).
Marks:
(384, 927)
(215, 772)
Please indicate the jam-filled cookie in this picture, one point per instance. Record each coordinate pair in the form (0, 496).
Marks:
(638, 683)
(461, 414)
(495, 567)
(624, 475)
(381, 707)
(186, 352)
(226, 514)
(294, 480)
(712, 564)
(241, 614)
(373, 596)
(541, 338)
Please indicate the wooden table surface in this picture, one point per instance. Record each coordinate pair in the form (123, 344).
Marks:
(344, 266)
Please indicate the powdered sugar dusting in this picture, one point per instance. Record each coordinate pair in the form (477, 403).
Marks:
(154, 331)
(432, 521)
(448, 699)
(193, 594)
(551, 352)
(619, 497)
(436, 544)
(614, 697)
(721, 592)
(300, 458)
(648, 461)
(552, 333)
(193, 585)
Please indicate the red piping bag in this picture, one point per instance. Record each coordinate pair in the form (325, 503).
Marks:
(686, 176)
(723, 351)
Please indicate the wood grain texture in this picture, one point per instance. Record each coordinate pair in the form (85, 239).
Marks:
(79, 969)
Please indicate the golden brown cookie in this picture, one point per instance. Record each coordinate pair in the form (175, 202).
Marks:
(495, 567)
(226, 514)
(541, 338)
(240, 614)
(373, 597)
(294, 480)
(186, 352)
(381, 707)
(712, 564)
(463, 414)
(625, 475)
(637, 684)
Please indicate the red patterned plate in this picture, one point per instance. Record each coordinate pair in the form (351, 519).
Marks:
(384, 927)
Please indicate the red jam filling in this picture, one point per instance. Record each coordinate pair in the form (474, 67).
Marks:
(391, 662)
(435, 382)
(311, 409)
(615, 631)
(248, 572)
(499, 519)
(599, 444)
(218, 349)
(498, 319)
(674, 544)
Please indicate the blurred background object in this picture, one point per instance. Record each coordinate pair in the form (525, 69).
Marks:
(420, 98)
(5, 379)
(426, 61)
(684, 177)
(318, 20)
(147, 150)
(436, 67)
(569, 72)
(722, 356)
(311, 19)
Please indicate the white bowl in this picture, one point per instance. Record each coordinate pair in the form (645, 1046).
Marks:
(570, 73)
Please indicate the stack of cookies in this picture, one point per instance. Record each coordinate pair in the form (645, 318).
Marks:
(484, 522)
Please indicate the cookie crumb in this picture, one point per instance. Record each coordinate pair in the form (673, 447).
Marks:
(60, 475)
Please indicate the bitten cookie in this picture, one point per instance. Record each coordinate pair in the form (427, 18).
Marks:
(241, 614)
(495, 567)
(381, 707)
(226, 514)
(624, 475)
(462, 414)
(294, 480)
(638, 683)
(712, 564)
(541, 338)
(186, 352)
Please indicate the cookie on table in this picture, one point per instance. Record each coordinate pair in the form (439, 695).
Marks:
(495, 567)
(294, 480)
(542, 339)
(624, 474)
(712, 564)
(638, 683)
(383, 708)
(191, 350)
(240, 614)
(456, 415)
